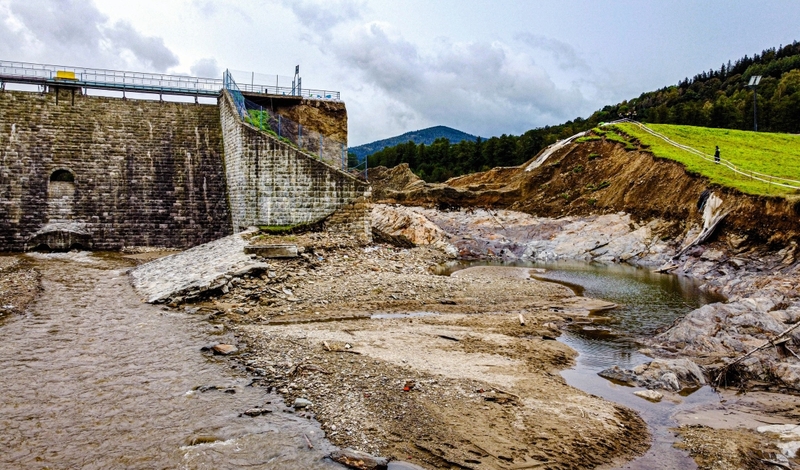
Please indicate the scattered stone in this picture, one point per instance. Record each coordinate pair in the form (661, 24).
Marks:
(301, 403)
(789, 435)
(359, 460)
(257, 411)
(224, 349)
(651, 395)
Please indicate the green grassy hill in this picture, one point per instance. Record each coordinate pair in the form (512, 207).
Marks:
(777, 155)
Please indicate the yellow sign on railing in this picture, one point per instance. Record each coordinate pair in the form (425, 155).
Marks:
(65, 75)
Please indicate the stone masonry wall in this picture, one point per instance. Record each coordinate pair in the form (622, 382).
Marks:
(146, 173)
(273, 183)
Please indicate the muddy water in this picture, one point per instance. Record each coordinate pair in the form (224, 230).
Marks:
(95, 378)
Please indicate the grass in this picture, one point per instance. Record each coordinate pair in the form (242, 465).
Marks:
(763, 152)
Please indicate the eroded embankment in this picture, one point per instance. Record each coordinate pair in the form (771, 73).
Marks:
(592, 178)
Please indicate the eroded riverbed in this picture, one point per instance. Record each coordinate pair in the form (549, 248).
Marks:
(95, 378)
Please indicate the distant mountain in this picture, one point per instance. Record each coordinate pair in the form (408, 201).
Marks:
(422, 136)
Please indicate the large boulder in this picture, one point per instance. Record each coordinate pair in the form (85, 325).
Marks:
(673, 375)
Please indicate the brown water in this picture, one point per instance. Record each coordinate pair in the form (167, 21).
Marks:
(95, 378)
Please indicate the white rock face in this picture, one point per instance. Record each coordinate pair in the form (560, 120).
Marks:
(518, 236)
(789, 435)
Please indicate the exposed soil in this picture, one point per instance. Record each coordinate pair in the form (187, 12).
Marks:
(19, 284)
(594, 178)
(445, 376)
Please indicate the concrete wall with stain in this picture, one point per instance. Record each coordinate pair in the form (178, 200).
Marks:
(143, 173)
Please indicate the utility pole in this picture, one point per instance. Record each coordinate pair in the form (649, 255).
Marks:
(753, 83)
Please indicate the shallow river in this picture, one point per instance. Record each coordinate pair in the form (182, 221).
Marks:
(95, 378)
(647, 302)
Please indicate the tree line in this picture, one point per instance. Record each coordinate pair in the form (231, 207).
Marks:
(714, 98)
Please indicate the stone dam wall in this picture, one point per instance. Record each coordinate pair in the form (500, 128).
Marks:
(272, 183)
(108, 173)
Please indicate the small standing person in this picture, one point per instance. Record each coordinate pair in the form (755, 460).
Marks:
(716, 155)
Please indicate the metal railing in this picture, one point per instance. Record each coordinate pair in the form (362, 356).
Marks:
(23, 72)
(47, 74)
(288, 91)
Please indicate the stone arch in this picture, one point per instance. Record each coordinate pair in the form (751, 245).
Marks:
(62, 175)
(60, 195)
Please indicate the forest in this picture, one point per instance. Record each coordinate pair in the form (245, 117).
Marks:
(717, 98)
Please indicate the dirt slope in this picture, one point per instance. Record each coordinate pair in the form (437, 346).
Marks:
(594, 178)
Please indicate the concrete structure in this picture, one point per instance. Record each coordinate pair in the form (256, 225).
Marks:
(108, 173)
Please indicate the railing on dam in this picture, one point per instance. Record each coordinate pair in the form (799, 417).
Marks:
(141, 82)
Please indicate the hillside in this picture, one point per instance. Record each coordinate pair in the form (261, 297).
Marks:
(422, 136)
(717, 98)
(747, 157)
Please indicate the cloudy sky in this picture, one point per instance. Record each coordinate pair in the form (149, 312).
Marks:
(484, 67)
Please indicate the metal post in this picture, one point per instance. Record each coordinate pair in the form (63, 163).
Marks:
(261, 118)
(753, 83)
(279, 125)
(755, 110)
(320, 147)
(300, 135)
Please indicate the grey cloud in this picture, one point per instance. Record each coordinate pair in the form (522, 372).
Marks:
(206, 68)
(75, 32)
(565, 54)
(484, 87)
(149, 50)
(322, 16)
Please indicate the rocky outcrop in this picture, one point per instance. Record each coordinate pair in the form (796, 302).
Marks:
(511, 235)
(671, 375)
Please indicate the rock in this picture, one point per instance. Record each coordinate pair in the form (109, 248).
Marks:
(617, 374)
(300, 403)
(224, 349)
(789, 435)
(651, 395)
(789, 374)
(400, 465)
(359, 460)
(712, 255)
(257, 412)
(667, 374)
